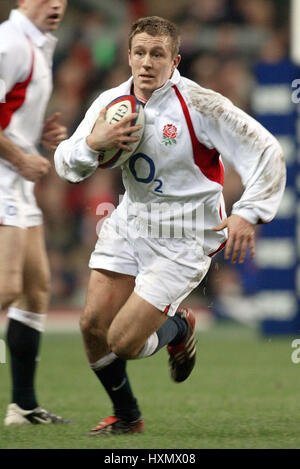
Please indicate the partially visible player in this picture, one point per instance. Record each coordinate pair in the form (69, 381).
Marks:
(173, 185)
(26, 51)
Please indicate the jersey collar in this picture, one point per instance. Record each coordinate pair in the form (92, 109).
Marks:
(29, 29)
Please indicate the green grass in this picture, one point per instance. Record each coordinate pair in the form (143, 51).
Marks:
(243, 393)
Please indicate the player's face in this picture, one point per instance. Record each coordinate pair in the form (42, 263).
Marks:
(45, 14)
(152, 62)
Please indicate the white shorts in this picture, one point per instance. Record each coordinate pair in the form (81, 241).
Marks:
(166, 270)
(18, 205)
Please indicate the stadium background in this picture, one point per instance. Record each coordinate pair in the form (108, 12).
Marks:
(244, 391)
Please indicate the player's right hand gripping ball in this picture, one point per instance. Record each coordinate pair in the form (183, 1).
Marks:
(118, 109)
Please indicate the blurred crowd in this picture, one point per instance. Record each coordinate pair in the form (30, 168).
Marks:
(221, 41)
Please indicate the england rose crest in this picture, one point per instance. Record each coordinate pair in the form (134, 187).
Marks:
(169, 134)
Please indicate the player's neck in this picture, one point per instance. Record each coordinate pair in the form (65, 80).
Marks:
(139, 97)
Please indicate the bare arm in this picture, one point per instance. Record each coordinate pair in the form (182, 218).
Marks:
(30, 166)
(53, 132)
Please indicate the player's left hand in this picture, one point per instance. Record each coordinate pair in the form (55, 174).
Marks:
(53, 132)
(241, 236)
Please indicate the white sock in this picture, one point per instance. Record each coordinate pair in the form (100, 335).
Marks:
(149, 347)
(104, 361)
(34, 320)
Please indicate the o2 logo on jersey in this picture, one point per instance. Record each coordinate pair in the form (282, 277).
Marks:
(11, 210)
(2, 91)
(148, 171)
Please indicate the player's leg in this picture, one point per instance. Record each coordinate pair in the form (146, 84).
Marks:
(26, 323)
(133, 326)
(140, 329)
(128, 335)
(127, 324)
(12, 242)
(177, 332)
(36, 274)
(107, 292)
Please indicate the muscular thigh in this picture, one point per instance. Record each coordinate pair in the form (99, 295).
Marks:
(107, 292)
(12, 255)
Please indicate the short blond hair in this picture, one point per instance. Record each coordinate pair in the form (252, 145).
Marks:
(156, 26)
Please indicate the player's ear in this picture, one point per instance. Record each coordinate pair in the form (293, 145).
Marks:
(129, 59)
(177, 60)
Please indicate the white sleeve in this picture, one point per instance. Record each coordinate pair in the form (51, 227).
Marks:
(254, 153)
(74, 159)
(14, 67)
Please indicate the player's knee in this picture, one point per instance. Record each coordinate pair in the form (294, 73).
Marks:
(84, 324)
(123, 347)
(90, 326)
(125, 351)
(37, 296)
(9, 294)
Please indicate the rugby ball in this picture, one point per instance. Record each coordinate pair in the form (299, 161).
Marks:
(116, 111)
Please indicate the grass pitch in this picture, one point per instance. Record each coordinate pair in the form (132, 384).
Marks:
(243, 393)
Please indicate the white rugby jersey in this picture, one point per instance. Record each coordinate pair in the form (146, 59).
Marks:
(26, 76)
(178, 162)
